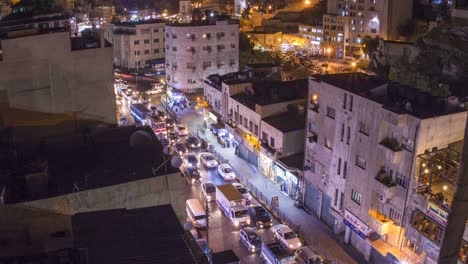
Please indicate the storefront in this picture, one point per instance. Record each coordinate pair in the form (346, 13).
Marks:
(266, 166)
(288, 181)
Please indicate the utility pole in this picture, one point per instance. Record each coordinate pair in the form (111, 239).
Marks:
(208, 250)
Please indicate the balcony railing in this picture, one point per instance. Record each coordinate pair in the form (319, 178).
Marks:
(391, 144)
(385, 179)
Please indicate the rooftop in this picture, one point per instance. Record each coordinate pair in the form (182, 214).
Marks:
(260, 65)
(268, 92)
(395, 97)
(88, 159)
(293, 161)
(222, 21)
(287, 122)
(144, 235)
(140, 22)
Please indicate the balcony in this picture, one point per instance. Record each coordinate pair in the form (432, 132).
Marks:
(381, 224)
(313, 137)
(391, 144)
(385, 179)
(314, 107)
(264, 146)
(391, 149)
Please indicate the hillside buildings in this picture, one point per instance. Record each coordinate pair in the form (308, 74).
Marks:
(198, 49)
(404, 145)
(136, 44)
(346, 23)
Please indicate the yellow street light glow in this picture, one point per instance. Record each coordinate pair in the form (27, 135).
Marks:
(426, 171)
(329, 50)
(307, 2)
(353, 64)
(445, 187)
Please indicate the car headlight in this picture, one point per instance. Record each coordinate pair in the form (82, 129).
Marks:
(193, 180)
(236, 223)
(249, 198)
(192, 145)
(180, 152)
(208, 197)
(291, 246)
(253, 248)
(248, 221)
(189, 165)
(299, 244)
(260, 222)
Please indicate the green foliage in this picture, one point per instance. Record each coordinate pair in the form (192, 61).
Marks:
(245, 44)
(370, 44)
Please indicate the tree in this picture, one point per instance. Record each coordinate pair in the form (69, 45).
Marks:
(244, 42)
(370, 44)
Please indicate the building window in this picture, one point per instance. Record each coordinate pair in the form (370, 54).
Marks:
(342, 132)
(233, 45)
(245, 122)
(174, 36)
(156, 50)
(331, 112)
(174, 48)
(145, 31)
(256, 130)
(264, 137)
(407, 144)
(147, 52)
(401, 179)
(335, 201)
(394, 214)
(328, 144)
(361, 162)
(137, 52)
(155, 30)
(146, 41)
(363, 128)
(341, 201)
(192, 81)
(272, 142)
(338, 170)
(136, 42)
(251, 126)
(156, 40)
(351, 103)
(428, 227)
(345, 169)
(348, 135)
(206, 64)
(344, 101)
(356, 197)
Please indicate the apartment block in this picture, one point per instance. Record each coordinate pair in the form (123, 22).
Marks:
(371, 165)
(136, 44)
(198, 49)
(347, 22)
(265, 119)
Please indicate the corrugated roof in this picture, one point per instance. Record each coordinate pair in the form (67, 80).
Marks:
(231, 191)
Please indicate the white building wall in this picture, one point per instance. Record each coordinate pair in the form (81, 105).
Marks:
(248, 115)
(274, 133)
(188, 61)
(42, 73)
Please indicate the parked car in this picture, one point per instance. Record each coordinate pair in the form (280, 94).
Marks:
(162, 114)
(226, 172)
(180, 149)
(259, 216)
(193, 142)
(208, 160)
(286, 237)
(250, 239)
(181, 130)
(173, 137)
(190, 161)
(243, 191)
(306, 255)
(209, 191)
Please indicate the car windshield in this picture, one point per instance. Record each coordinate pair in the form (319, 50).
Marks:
(260, 211)
(209, 157)
(253, 237)
(227, 170)
(200, 217)
(241, 213)
(210, 189)
(242, 190)
(181, 127)
(192, 159)
(289, 235)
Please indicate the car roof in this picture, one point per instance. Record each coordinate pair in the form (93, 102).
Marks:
(236, 184)
(206, 154)
(283, 228)
(310, 252)
(225, 165)
(249, 231)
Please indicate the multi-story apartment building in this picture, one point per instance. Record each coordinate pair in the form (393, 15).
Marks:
(372, 153)
(136, 44)
(347, 22)
(196, 50)
(314, 36)
(185, 10)
(266, 120)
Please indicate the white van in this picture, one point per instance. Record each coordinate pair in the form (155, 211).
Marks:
(195, 213)
(306, 255)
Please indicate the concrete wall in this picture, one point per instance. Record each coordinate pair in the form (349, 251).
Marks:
(41, 73)
(248, 113)
(214, 97)
(278, 108)
(142, 193)
(293, 142)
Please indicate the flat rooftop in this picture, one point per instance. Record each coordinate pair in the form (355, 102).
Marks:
(87, 159)
(287, 122)
(395, 97)
(140, 22)
(144, 235)
(219, 21)
(268, 92)
(293, 161)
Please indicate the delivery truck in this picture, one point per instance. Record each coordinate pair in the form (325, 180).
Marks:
(232, 204)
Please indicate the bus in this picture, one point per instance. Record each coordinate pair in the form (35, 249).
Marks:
(157, 123)
(140, 112)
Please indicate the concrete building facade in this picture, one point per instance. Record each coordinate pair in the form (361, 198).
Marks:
(54, 73)
(136, 44)
(197, 50)
(347, 23)
(363, 130)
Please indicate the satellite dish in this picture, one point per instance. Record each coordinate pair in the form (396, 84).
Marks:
(176, 161)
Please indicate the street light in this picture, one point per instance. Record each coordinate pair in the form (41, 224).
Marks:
(307, 2)
(353, 65)
(329, 50)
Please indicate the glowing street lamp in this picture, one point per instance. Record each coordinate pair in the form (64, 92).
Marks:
(329, 50)
(307, 2)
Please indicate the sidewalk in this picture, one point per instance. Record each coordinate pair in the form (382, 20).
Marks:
(319, 236)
